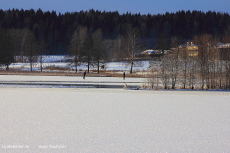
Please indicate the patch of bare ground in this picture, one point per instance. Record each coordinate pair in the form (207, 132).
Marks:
(57, 68)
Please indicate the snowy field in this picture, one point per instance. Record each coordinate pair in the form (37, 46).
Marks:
(70, 120)
(60, 61)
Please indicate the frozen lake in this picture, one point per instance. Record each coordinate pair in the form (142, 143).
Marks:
(18, 81)
(113, 120)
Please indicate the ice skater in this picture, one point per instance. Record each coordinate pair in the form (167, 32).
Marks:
(84, 74)
(123, 75)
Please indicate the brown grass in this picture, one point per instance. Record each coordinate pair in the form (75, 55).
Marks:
(58, 68)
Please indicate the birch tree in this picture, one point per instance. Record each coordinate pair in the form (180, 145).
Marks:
(75, 48)
(98, 47)
(87, 49)
(164, 71)
(132, 44)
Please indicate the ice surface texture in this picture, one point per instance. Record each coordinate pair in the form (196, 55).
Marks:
(107, 120)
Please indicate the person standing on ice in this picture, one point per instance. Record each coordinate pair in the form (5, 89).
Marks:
(123, 75)
(84, 74)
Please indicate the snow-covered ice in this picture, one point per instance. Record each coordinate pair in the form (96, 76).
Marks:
(73, 120)
(19, 81)
(67, 78)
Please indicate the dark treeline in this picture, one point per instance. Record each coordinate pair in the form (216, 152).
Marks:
(56, 30)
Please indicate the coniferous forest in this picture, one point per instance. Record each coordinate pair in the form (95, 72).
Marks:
(56, 30)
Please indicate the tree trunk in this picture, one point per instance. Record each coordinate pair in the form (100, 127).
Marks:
(76, 68)
(88, 63)
(98, 66)
(31, 69)
(7, 67)
(131, 69)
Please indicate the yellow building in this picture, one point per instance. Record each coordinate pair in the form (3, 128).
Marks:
(191, 49)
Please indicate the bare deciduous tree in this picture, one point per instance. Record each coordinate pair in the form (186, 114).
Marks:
(76, 45)
(98, 48)
(88, 49)
(119, 45)
(133, 44)
(174, 67)
(165, 71)
(25, 45)
(41, 51)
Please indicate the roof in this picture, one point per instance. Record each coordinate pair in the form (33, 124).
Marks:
(217, 45)
(227, 45)
(188, 45)
(150, 52)
(147, 52)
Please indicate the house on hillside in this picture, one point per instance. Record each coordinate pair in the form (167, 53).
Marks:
(191, 49)
(213, 52)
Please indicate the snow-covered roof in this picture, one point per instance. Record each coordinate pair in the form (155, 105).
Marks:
(147, 52)
(217, 45)
(193, 45)
(227, 45)
(188, 44)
